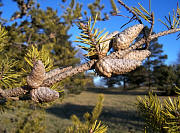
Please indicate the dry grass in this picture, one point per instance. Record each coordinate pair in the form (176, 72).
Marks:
(119, 111)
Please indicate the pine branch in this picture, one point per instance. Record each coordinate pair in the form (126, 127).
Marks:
(56, 71)
(15, 92)
(164, 33)
(84, 67)
(64, 73)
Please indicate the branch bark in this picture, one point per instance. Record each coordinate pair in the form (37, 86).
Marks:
(14, 92)
(84, 67)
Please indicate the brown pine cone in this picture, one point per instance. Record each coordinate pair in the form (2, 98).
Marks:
(35, 79)
(44, 94)
(137, 55)
(125, 38)
(107, 67)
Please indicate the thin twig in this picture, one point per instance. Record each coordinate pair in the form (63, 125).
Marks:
(150, 32)
(29, 38)
(121, 15)
(152, 24)
(130, 10)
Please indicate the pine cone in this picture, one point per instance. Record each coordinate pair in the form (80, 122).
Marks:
(35, 79)
(44, 94)
(126, 37)
(107, 67)
(104, 47)
(137, 55)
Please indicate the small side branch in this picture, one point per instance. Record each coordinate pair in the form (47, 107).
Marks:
(152, 24)
(164, 33)
(150, 32)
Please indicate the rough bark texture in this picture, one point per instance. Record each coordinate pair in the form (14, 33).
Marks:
(56, 71)
(137, 55)
(163, 33)
(84, 67)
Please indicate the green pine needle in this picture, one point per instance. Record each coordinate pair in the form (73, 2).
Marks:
(33, 54)
(160, 116)
(8, 75)
(145, 17)
(3, 37)
(90, 37)
(172, 20)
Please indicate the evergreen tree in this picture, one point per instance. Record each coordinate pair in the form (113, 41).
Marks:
(177, 72)
(165, 78)
(137, 78)
(112, 81)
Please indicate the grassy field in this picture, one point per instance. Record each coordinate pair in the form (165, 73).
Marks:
(119, 111)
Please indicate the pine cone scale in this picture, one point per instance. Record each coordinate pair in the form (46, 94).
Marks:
(44, 94)
(35, 79)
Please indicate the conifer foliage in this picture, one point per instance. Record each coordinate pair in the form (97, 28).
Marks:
(160, 116)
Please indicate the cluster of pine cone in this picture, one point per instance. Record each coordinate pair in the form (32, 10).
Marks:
(105, 66)
(108, 66)
(39, 93)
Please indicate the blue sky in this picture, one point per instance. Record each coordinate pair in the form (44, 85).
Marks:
(161, 8)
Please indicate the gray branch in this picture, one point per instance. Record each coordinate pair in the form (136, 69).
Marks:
(54, 78)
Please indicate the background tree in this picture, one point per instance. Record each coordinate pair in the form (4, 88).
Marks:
(112, 81)
(138, 77)
(165, 78)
